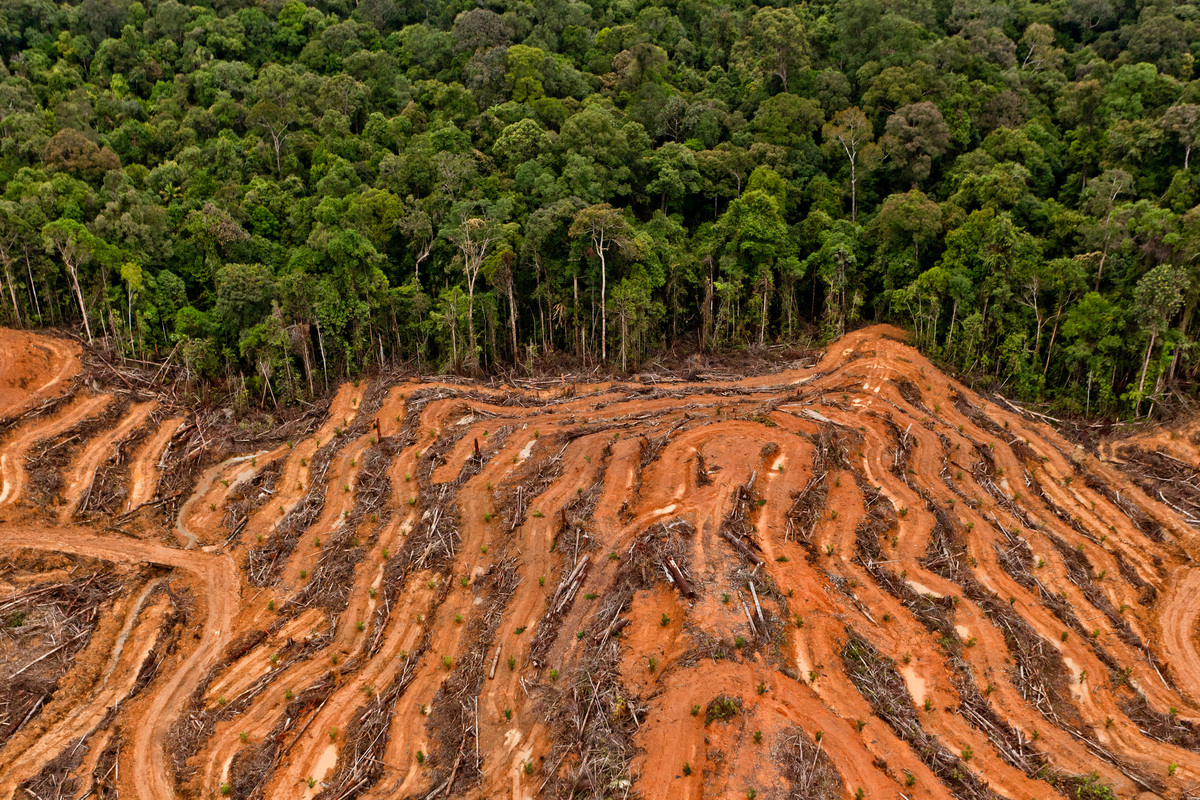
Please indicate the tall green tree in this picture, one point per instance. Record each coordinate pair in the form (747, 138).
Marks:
(75, 246)
(608, 231)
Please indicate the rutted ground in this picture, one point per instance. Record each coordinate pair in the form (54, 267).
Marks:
(851, 576)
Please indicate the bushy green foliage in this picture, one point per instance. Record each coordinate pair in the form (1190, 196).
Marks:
(287, 193)
(721, 708)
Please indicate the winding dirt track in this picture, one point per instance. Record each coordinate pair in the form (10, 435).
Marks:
(216, 577)
(33, 368)
(852, 575)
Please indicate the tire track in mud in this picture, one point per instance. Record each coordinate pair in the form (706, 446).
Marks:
(218, 578)
(143, 474)
(117, 681)
(13, 449)
(77, 484)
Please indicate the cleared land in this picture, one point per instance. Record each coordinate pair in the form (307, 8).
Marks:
(854, 574)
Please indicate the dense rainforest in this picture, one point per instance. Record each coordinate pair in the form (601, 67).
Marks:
(275, 194)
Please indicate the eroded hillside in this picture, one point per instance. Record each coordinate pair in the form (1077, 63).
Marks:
(853, 578)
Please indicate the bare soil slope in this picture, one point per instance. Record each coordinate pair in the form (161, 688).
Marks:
(853, 578)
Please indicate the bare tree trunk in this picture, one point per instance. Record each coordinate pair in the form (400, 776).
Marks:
(308, 367)
(512, 317)
(603, 305)
(1142, 383)
(853, 190)
(706, 329)
(762, 325)
(472, 359)
(12, 289)
(32, 285)
(324, 363)
(1050, 346)
(624, 336)
(87, 326)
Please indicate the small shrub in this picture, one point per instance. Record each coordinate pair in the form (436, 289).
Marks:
(722, 707)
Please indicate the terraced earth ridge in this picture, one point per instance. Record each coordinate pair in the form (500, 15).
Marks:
(849, 578)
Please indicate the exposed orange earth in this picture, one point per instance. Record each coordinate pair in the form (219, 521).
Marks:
(854, 578)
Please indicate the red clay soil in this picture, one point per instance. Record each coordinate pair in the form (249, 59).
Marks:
(858, 579)
(33, 368)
